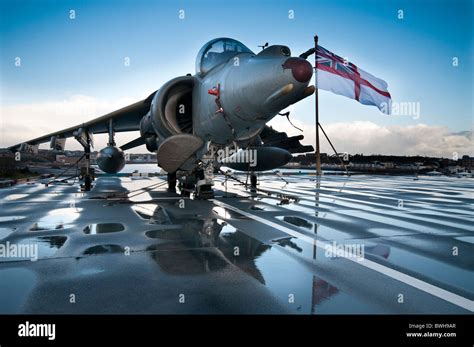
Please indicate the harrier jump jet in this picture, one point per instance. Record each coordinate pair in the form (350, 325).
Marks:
(227, 103)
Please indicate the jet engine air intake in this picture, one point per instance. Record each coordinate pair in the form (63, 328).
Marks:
(171, 109)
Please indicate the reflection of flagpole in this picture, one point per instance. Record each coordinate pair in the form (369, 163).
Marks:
(313, 298)
(318, 154)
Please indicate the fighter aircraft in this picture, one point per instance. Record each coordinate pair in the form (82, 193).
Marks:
(192, 118)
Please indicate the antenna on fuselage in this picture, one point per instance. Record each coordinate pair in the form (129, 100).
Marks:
(264, 46)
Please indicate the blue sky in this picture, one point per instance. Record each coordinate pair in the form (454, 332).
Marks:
(85, 56)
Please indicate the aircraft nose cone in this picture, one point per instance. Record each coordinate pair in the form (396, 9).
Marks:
(300, 68)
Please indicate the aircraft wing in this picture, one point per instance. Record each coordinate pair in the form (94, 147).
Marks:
(272, 137)
(124, 119)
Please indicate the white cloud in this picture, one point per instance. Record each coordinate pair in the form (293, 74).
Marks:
(370, 138)
(26, 121)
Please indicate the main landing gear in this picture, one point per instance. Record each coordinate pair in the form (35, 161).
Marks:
(253, 182)
(172, 182)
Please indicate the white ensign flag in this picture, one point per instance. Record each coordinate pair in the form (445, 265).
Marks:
(344, 78)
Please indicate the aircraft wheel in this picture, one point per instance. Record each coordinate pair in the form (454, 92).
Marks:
(253, 182)
(172, 182)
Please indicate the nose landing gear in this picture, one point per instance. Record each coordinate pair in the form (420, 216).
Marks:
(204, 187)
(196, 183)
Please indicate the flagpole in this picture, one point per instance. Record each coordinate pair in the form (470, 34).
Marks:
(316, 94)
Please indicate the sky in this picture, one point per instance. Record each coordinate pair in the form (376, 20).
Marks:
(74, 69)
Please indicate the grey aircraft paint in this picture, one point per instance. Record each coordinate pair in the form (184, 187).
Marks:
(227, 103)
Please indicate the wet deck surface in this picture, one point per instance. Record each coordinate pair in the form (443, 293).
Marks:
(137, 251)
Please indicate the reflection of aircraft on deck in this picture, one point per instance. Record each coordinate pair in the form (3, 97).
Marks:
(226, 104)
(198, 245)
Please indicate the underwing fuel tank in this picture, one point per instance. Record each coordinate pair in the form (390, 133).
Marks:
(111, 159)
(257, 159)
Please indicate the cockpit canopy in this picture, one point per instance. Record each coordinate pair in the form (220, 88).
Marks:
(217, 52)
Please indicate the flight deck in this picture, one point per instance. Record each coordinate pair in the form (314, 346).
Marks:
(338, 245)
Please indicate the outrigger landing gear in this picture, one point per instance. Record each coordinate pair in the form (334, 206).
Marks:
(84, 138)
(87, 176)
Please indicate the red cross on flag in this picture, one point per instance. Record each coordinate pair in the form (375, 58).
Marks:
(344, 78)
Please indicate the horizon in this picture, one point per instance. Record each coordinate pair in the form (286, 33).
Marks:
(329, 154)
